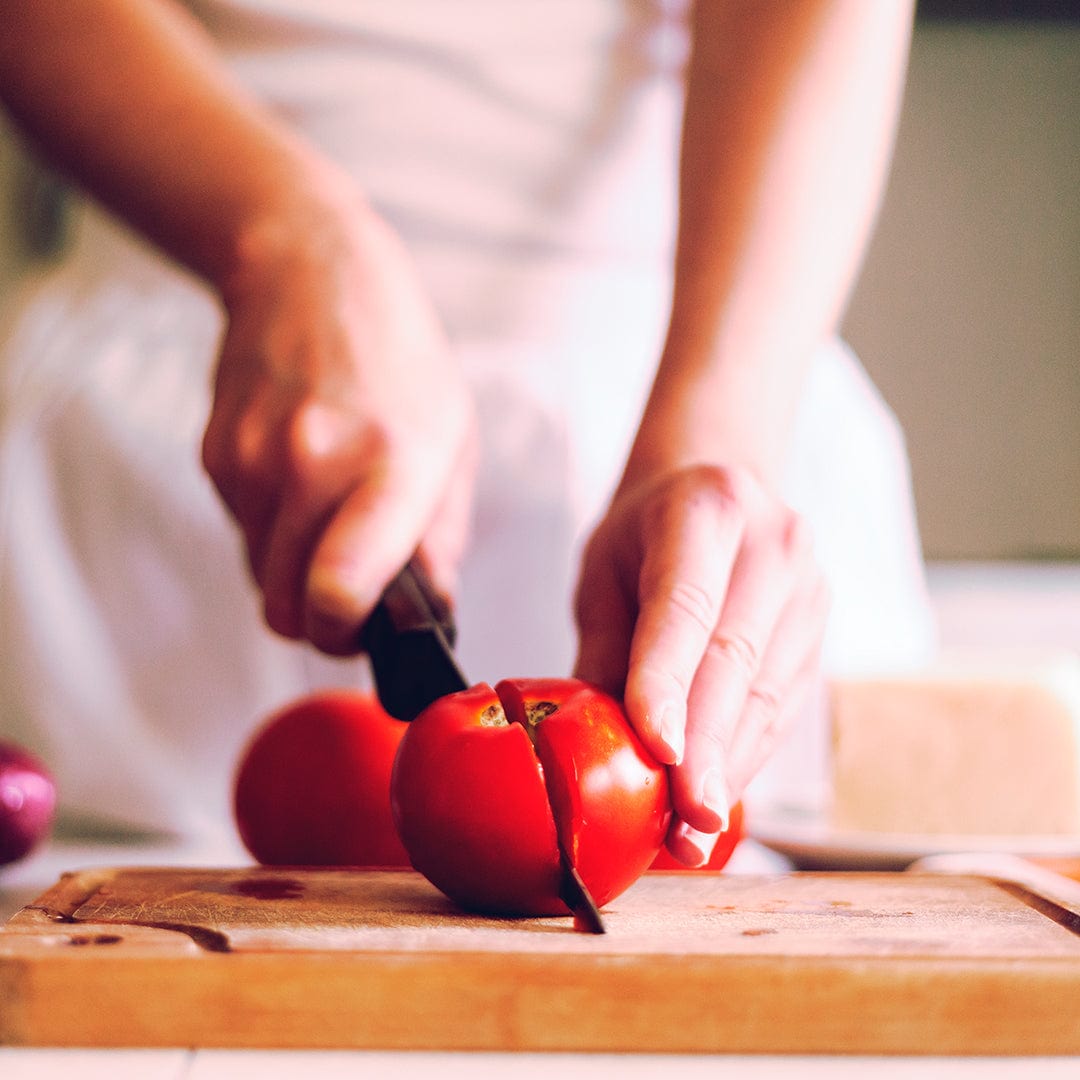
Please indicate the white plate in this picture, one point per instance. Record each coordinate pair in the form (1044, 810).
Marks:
(811, 843)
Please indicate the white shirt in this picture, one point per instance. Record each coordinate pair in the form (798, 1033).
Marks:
(526, 153)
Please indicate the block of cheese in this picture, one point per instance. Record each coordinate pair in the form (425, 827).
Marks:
(979, 747)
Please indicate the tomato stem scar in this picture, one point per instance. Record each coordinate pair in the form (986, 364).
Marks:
(493, 716)
(539, 710)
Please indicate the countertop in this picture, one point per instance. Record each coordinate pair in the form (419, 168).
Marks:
(333, 1065)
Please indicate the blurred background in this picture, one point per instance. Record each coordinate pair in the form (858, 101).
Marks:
(967, 314)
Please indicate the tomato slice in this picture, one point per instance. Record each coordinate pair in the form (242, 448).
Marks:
(609, 798)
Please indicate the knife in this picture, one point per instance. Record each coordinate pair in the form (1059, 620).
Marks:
(409, 638)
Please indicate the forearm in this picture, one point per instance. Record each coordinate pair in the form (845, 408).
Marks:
(129, 98)
(790, 116)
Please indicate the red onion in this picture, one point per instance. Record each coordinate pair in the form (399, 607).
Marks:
(27, 802)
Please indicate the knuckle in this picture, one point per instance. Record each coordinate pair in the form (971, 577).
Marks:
(215, 464)
(694, 603)
(649, 681)
(733, 488)
(721, 484)
(308, 442)
(219, 464)
(318, 445)
(244, 452)
(738, 650)
(769, 703)
(314, 432)
(709, 476)
(714, 740)
(699, 486)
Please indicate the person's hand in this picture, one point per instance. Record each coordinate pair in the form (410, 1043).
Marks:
(700, 603)
(342, 433)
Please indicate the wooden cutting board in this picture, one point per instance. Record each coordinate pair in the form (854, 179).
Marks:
(803, 962)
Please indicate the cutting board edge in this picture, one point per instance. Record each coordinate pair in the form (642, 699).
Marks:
(608, 1005)
(67, 894)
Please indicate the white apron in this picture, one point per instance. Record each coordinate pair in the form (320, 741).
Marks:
(526, 154)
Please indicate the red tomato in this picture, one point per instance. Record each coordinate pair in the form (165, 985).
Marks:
(725, 845)
(484, 778)
(313, 786)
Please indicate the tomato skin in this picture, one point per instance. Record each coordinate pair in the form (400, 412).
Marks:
(477, 806)
(313, 784)
(610, 797)
(721, 853)
(470, 805)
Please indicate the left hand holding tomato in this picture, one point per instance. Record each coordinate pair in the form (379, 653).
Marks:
(701, 604)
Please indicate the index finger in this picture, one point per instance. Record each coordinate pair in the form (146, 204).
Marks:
(687, 563)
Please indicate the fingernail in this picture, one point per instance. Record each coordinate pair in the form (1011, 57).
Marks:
(693, 847)
(672, 734)
(714, 797)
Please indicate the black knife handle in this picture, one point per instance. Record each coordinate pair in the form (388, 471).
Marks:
(409, 639)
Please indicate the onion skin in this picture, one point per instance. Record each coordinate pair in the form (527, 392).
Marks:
(27, 803)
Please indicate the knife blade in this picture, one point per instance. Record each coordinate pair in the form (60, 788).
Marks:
(409, 638)
(574, 893)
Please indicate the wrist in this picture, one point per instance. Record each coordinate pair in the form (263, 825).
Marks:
(710, 411)
(301, 220)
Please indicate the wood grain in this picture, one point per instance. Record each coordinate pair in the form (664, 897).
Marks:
(840, 962)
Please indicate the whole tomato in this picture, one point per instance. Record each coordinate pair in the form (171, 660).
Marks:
(313, 785)
(721, 853)
(486, 780)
